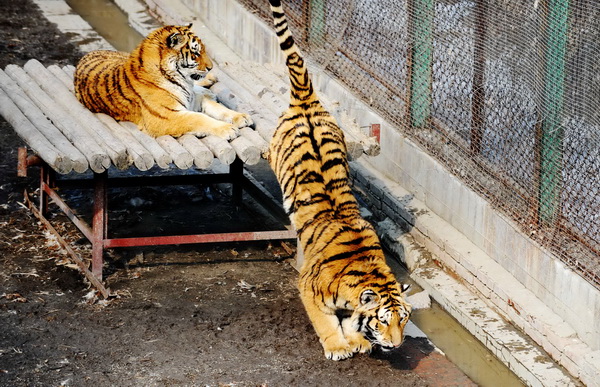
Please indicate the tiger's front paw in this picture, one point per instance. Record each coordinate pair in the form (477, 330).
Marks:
(337, 350)
(241, 120)
(227, 131)
(360, 345)
(340, 354)
(209, 80)
(356, 340)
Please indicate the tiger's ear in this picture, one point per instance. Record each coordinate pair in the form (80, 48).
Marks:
(174, 39)
(404, 287)
(369, 298)
(190, 25)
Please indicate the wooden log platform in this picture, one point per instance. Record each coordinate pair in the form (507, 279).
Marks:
(40, 104)
(66, 138)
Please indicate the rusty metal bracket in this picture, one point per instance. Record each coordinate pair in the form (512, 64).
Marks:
(72, 254)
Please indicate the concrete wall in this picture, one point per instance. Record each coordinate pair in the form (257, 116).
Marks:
(527, 284)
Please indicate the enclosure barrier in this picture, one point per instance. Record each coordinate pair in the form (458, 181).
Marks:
(505, 94)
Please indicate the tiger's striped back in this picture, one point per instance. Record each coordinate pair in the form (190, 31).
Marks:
(105, 68)
(350, 294)
(307, 132)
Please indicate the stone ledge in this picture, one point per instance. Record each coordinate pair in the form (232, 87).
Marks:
(486, 299)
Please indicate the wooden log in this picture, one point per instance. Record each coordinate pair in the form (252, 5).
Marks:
(280, 87)
(355, 138)
(220, 148)
(270, 100)
(142, 159)
(162, 158)
(114, 148)
(265, 125)
(256, 139)
(181, 157)
(246, 150)
(43, 124)
(62, 76)
(34, 138)
(233, 95)
(69, 70)
(274, 96)
(203, 157)
(229, 98)
(97, 158)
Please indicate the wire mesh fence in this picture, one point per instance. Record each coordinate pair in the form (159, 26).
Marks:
(505, 93)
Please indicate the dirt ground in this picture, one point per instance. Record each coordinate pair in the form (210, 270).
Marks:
(221, 314)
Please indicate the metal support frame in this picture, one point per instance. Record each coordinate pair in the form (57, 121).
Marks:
(98, 234)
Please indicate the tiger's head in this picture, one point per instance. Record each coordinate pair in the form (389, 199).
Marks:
(186, 54)
(382, 316)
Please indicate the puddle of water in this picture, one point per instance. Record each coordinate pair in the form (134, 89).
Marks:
(109, 21)
(459, 346)
(464, 350)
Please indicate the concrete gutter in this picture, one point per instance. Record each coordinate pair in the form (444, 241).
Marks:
(82, 34)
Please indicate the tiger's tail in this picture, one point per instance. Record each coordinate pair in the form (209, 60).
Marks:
(301, 86)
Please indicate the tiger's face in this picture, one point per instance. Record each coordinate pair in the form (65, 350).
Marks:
(381, 318)
(190, 57)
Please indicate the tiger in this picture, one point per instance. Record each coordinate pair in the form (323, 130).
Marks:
(350, 294)
(156, 85)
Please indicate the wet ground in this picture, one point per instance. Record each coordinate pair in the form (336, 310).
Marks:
(218, 314)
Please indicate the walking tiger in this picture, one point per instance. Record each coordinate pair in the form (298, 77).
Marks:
(350, 294)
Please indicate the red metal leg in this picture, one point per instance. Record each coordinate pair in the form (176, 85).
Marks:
(99, 223)
(22, 162)
(47, 178)
(43, 205)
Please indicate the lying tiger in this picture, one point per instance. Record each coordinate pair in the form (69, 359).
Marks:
(154, 86)
(350, 294)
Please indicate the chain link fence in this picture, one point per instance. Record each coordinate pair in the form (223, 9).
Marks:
(505, 93)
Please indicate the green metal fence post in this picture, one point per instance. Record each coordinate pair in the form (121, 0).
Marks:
(550, 146)
(316, 22)
(421, 19)
(478, 87)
